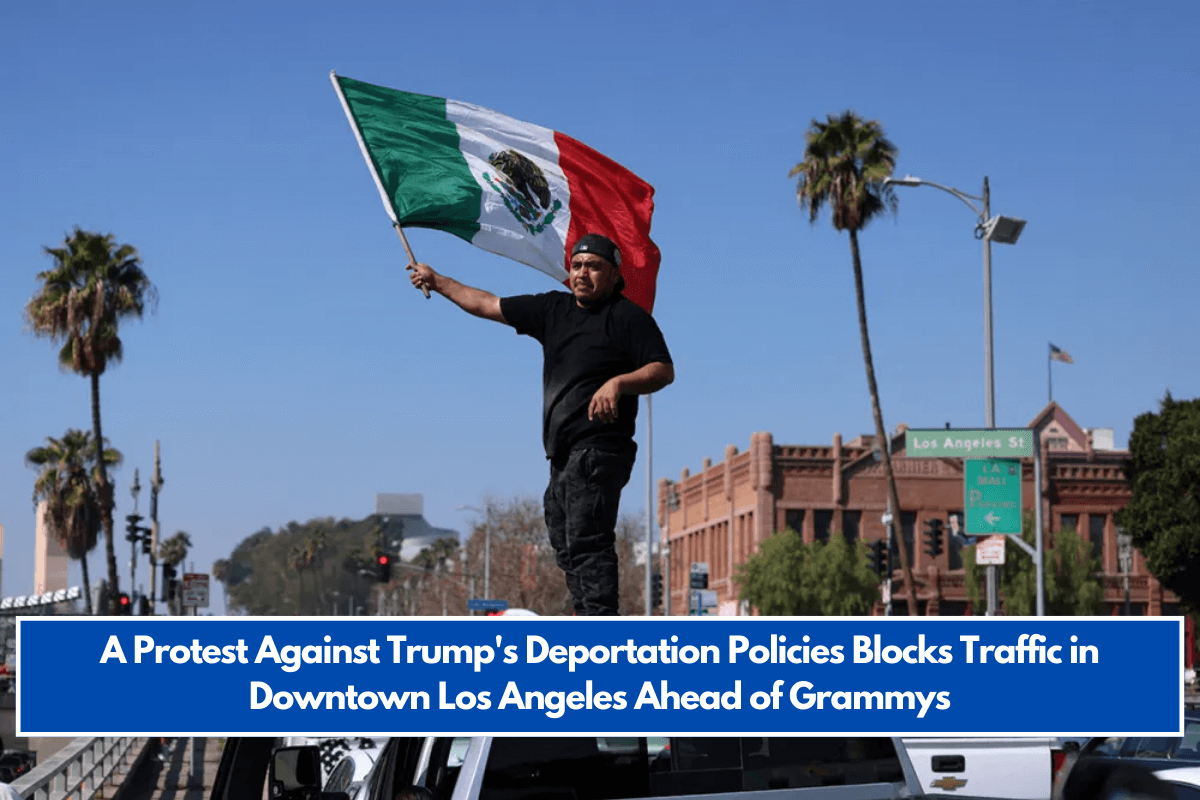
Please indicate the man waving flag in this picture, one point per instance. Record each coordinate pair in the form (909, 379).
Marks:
(516, 189)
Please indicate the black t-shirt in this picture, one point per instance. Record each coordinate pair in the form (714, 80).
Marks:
(583, 348)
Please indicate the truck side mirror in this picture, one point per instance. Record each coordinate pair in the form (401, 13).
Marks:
(295, 773)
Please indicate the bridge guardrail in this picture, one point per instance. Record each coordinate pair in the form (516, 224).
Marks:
(80, 770)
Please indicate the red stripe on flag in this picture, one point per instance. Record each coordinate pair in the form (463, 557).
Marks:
(610, 200)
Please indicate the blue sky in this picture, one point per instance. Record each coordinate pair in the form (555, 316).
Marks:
(291, 371)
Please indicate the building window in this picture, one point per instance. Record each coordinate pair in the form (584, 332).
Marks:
(1068, 522)
(952, 608)
(794, 518)
(851, 520)
(1096, 535)
(1056, 443)
(822, 520)
(954, 544)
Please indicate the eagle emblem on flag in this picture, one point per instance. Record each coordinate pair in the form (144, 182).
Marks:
(524, 188)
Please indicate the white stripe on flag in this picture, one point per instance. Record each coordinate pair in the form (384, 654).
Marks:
(482, 133)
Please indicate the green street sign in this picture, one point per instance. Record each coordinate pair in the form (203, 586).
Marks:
(993, 495)
(969, 443)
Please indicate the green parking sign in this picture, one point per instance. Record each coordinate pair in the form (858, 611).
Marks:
(992, 488)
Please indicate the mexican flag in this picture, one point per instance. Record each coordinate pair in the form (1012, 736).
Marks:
(510, 187)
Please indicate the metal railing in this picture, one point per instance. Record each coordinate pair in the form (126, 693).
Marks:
(81, 770)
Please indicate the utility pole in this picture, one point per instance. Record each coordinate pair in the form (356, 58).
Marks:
(132, 534)
(155, 484)
(989, 392)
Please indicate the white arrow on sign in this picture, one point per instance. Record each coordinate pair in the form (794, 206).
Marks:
(991, 518)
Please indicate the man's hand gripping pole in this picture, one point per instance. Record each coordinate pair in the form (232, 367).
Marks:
(411, 259)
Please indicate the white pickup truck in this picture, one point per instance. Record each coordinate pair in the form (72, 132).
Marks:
(1016, 768)
(625, 768)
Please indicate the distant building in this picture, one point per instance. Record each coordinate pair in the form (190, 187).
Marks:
(50, 560)
(719, 515)
(409, 511)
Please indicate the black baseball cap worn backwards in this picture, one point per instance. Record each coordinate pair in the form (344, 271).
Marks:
(598, 245)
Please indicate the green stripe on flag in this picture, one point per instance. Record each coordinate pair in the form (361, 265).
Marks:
(415, 151)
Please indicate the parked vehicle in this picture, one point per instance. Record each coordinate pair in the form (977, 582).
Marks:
(1184, 781)
(586, 768)
(348, 774)
(1153, 752)
(15, 763)
(1009, 767)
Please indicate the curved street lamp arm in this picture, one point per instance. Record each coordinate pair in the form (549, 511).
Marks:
(961, 195)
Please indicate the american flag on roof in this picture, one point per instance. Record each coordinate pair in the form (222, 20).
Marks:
(1058, 354)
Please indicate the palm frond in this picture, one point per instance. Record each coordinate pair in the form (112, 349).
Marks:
(846, 160)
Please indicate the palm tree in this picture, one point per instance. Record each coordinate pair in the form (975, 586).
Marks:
(300, 559)
(67, 484)
(94, 284)
(846, 160)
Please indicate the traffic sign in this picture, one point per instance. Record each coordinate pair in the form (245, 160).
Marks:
(993, 495)
(968, 443)
(487, 605)
(195, 589)
(990, 550)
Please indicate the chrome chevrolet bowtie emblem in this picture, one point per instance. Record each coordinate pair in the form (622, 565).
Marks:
(948, 783)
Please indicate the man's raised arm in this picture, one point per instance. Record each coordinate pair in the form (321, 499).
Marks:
(474, 301)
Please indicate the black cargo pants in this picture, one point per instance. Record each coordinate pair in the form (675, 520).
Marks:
(581, 517)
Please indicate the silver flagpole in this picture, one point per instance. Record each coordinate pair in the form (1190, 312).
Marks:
(1049, 377)
(649, 509)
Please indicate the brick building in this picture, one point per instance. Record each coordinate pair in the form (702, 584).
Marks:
(720, 514)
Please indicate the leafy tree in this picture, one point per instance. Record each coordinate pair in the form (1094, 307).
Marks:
(846, 162)
(1073, 585)
(1163, 514)
(174, 550)
(338, 558)
(95, 284)
(786, 577)
(67, 482)
(524, 570)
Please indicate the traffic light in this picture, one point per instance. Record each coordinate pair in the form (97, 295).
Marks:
(384, 563)
(132, 530)
(933, 537)
(144, 609)
(124, 605)
(146, 550)
(656, 590)
(169, 583)
(879, 558)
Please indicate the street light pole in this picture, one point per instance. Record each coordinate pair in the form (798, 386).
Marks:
(989, 386)
(134, 490)
(1005, 230)
(649, 514)
(487, 546)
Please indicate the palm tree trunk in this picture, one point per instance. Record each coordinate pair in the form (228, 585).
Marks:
(87, 585)
(106, 499)
(880, 434)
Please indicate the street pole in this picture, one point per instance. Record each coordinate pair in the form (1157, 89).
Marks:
(155, 484)
(989, 393)
(666, 557)
(887, 580)
(134, 490)
(1039, 567)
(989, 396)
(649, 518)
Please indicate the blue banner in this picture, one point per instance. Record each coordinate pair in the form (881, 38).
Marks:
(947, 676)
